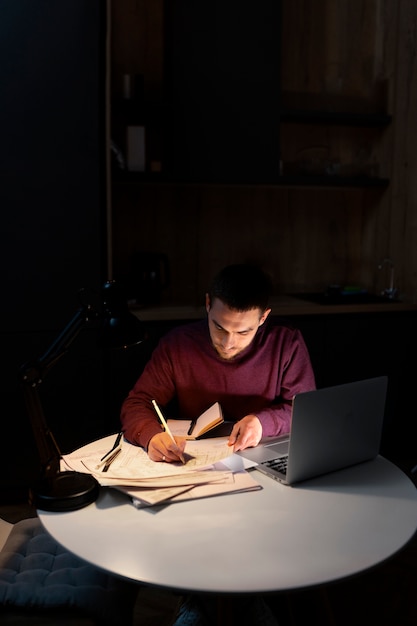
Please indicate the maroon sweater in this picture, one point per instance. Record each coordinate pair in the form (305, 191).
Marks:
(261, 380)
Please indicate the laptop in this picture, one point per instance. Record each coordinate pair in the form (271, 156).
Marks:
(331, 429)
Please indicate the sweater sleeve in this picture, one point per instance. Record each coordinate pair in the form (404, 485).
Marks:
(297, 377)
(138, 418)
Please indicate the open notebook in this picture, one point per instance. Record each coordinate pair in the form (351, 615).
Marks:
(331, 429)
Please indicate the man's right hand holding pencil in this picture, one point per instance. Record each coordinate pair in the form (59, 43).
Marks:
(162, 447)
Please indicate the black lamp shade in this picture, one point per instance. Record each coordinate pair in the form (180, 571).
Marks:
(121, 329)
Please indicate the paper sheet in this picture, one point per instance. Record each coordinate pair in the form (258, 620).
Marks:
(133, 462)
(232, 483)
(149, 483)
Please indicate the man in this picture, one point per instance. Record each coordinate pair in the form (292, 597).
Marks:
(235, 356)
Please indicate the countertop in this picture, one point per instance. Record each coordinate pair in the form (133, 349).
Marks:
(284, 305)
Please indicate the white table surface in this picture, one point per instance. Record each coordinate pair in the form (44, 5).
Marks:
(278, 538)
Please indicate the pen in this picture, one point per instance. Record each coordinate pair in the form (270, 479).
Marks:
(192, 425)
(111, 459)
(116, 443)
(165, 425)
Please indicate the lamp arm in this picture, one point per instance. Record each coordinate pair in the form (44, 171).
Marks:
(32, 375)
(34, 372)
(48, 450)
(69, 490)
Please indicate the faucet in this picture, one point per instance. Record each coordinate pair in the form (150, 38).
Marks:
(391, 291)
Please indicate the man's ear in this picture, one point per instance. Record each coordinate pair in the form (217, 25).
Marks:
(208, 304)
(264, 316)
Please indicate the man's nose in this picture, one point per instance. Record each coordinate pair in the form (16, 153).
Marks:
(228, 342)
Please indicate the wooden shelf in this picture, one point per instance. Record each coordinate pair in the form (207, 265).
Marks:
(333, 181)
(370, 120)
(281, 181)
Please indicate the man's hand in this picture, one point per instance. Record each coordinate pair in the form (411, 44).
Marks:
(162, 448)
(246, 433)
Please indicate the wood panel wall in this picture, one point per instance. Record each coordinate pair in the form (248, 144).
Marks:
(358, 55)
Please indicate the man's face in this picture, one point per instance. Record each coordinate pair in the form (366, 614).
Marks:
(232, 331)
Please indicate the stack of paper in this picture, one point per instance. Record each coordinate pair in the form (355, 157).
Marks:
(148, 482)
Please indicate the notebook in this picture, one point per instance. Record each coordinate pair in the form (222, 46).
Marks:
(331, 429)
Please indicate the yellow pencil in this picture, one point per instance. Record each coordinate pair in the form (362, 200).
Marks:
(165, 425)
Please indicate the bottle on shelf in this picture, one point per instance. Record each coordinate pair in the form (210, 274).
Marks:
(133, 96)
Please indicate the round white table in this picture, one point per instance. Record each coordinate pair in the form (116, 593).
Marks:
(275, 539)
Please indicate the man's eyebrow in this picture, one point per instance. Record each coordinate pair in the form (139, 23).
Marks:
(245, 330)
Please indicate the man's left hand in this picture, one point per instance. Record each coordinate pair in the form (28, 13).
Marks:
(246, 433)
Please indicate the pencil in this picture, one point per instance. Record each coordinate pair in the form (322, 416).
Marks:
(116, 443)
(110, 460)
(165, 425)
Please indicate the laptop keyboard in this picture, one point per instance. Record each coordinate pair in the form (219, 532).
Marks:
(280, 465)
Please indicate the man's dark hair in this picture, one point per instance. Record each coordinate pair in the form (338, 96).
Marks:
(242, 287)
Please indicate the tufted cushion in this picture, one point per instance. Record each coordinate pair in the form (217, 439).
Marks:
(36, 572)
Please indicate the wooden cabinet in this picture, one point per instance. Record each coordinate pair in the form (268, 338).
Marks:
(334, 93)
(312, 208)
(221, 111)
(223, 90)
(216, 119)
(330, 148)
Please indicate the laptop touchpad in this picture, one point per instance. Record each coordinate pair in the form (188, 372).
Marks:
(265, 452)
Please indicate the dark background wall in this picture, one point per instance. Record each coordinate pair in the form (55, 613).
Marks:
(53, 208)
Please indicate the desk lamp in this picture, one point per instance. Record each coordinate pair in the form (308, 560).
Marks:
(66, 490)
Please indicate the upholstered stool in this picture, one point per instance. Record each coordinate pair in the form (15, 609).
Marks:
(38, 577)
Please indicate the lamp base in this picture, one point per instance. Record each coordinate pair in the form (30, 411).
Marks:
(65, 491)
